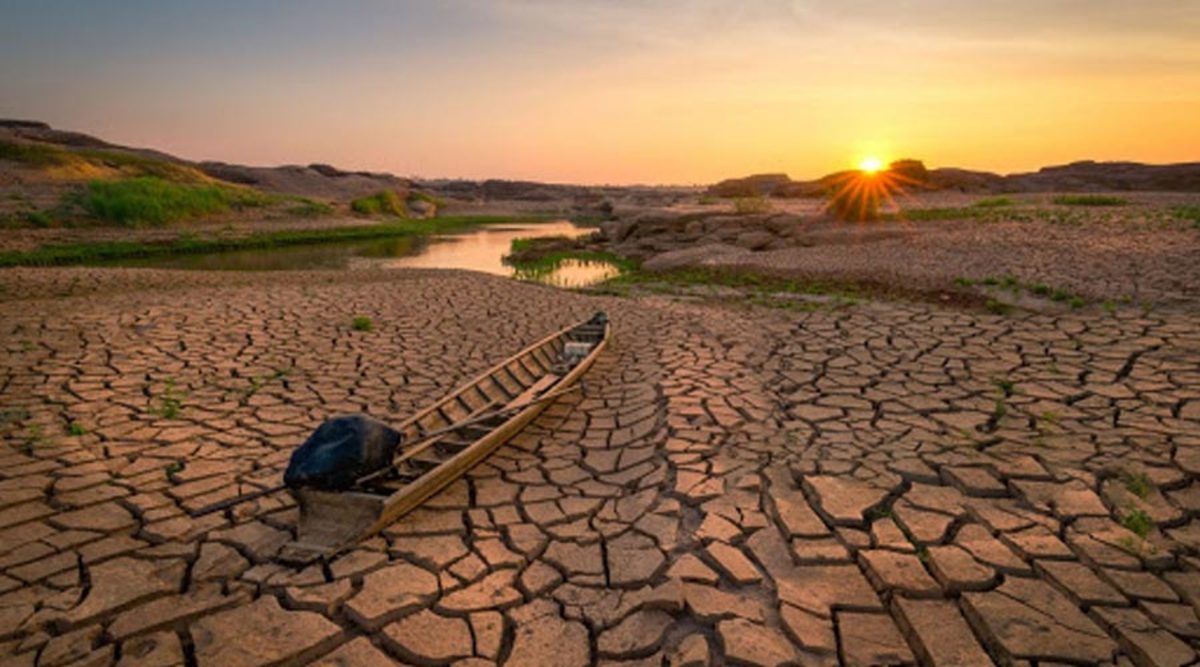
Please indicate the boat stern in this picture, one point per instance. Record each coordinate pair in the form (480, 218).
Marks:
(329, 522)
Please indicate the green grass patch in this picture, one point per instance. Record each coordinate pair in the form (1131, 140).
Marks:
(384, 202)
(1137, 483)
(1014, 285)
(87, 253)
(1138, 522)
(993, 202)
(759, 289)
(934, 214)
(523, 244)
(76, 429)
(309, 208)
(1190, 213)
(548, 263)
(1090, 200)
(39, 219)
(150, 200)
(362, 323)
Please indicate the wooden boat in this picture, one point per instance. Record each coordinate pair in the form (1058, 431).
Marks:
(445, 440)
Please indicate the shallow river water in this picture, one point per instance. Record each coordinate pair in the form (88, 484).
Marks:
(479, 249)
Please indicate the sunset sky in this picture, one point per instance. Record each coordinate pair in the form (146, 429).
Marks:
(610, 91)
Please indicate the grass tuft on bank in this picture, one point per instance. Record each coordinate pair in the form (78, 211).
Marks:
(1190, 213)
(384, 202)
(534, 258)
(993, 202)
(152, 201)
(1090, 200)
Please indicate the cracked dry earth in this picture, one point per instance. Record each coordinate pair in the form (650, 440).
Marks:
(882, 484)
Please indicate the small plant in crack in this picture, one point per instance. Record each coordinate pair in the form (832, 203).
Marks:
(1137, 483)
(173, 469)
(171, 401)
(999, 409)
(362, 323)
(10, 415)
(1049, 418)
(76, 429)
(1138, 523)
(257, 382)
(32, 437)
(1005, 386)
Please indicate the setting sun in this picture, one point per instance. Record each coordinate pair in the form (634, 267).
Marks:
(871, 165)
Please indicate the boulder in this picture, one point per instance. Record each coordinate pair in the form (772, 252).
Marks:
(754, 239)
(711, 254)
(420, 208)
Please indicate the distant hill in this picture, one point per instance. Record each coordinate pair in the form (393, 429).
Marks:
(1081, 176)
(315, 180)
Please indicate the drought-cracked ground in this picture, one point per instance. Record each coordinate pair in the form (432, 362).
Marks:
(881, 483)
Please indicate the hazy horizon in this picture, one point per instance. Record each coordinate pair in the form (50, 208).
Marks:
(595, 92)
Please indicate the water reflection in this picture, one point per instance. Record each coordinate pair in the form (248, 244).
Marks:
(480, 249)
(570, 273)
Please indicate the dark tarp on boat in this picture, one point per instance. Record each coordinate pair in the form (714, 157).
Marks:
(340, 451)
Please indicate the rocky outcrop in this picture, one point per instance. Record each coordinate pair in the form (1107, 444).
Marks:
(964, 180)
(1099, 176)
(648, 234)
(710, 254)
(758, 185)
